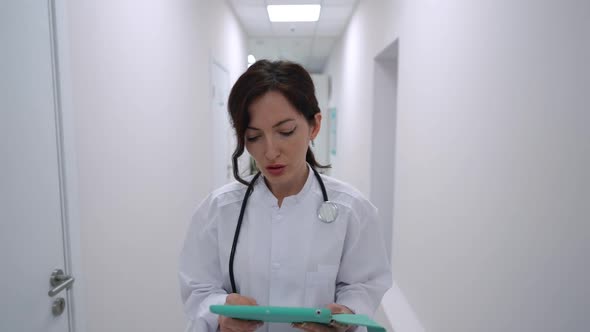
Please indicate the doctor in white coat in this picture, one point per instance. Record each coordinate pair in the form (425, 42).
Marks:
(303, 239)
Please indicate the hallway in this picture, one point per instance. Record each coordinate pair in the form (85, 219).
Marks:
(482, 178)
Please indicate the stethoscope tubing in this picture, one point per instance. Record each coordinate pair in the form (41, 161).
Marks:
(237, 232)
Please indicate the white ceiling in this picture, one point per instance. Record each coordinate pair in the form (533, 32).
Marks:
(308, 43)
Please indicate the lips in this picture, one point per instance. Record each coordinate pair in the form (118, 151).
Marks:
(275, 169)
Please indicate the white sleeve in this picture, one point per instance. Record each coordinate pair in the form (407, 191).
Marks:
(199, 271)
(365, 272)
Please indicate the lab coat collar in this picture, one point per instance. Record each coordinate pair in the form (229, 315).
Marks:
(267, 196)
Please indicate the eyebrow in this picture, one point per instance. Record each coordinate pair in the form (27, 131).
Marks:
(276, 125)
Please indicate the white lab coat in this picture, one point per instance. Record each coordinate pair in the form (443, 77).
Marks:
(285, 256)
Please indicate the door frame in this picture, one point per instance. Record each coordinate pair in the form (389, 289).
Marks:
(66, 146)
(224, 168)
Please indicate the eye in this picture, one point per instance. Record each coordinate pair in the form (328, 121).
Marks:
(252, 139)
(288, 133)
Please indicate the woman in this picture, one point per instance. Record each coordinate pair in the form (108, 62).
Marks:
(286, 253)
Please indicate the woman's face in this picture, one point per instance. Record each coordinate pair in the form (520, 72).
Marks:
(277, 137)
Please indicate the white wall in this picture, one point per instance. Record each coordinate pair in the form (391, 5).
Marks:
(321, 146)
(140, 77)
(492, 158)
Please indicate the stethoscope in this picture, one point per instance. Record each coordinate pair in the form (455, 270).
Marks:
(327, 213)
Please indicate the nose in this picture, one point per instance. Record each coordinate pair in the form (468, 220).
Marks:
(272, 151)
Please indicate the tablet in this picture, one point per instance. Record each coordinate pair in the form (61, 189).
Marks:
(274, 314)
(293, 315)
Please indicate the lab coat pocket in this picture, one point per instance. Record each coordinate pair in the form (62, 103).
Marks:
(320, 286)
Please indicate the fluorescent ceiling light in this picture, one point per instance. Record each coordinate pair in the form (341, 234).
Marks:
(293, 13)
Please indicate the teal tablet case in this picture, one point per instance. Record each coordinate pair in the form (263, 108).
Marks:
(293, 315)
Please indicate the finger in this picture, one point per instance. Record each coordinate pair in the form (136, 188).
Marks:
(250, 301)
(225, 325)
(300, 326)
(313, 327)
(245, 325)
(336, 308)
(225, 328)
(246, 300)
(238, 299)
(339, 326)
(255, 325)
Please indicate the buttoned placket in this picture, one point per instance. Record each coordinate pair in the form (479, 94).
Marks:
(279, 239)
(275, 253)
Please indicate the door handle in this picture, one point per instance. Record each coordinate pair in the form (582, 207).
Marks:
(59, 281)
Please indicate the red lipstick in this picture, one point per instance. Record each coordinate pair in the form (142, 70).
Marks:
(276, 169)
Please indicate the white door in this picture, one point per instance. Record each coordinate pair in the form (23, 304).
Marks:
(31, 194)
(222, 132)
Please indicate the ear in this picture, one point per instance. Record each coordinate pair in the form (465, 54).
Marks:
(315, 129)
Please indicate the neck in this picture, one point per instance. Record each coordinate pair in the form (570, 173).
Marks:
(289, 189)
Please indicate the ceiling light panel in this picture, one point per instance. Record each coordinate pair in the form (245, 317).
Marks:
(293, 13)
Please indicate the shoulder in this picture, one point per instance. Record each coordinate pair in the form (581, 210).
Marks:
(228, 194)
(352, 202)
(340, 191)
(346, 195)
(221, 198)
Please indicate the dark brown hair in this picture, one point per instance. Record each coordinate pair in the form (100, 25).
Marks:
(288, 78)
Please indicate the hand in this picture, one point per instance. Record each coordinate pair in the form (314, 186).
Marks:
(228, 324)
(334, 327)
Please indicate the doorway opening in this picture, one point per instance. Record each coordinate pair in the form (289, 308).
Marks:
(383, 141)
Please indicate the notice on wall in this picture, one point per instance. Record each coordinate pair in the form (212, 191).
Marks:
(333, 126)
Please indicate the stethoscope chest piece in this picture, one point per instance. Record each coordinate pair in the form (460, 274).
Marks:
(328, 212)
